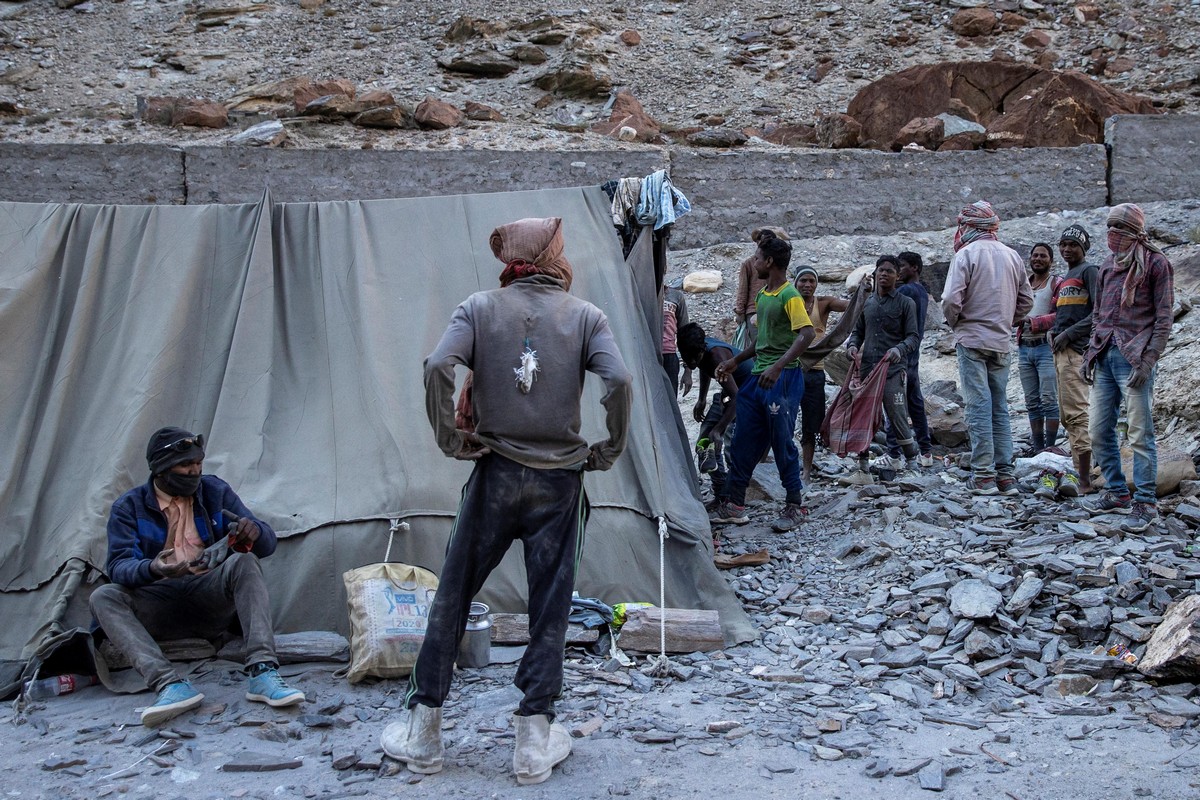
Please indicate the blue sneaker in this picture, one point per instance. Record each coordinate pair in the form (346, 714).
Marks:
(173, 700)
(267, 687)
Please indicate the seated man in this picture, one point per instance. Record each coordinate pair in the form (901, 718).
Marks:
(162, 589)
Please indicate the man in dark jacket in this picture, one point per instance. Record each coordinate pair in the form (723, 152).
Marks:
(168, 585)
(887, 330)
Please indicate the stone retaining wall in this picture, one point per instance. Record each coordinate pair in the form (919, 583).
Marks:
(810, 192)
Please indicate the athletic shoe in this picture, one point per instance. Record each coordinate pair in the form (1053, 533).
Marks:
(1047, 486)
(268, 687)
(1140, 518)
(885, 463)
(1068, 485)
(790, 518)
(173, 700)
(925, 460)
(1007, 485)
(1106, 501)
(708, 460)
(982, 486)
(727, 513)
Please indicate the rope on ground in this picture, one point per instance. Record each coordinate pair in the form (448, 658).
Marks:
(661, 666)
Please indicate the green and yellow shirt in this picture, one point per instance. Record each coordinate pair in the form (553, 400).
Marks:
(781, 314)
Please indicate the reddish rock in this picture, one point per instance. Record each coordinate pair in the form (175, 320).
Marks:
(575, 78)
(970, 140)
(1085, 12)
(790, 135)
(631, 38)
(376, 98)
(530, 54)
(820, 71)
(484, 62)
(305, 92)
(1011, 21)
(717, 137)
(335, 106)
(1046, 59)
(1022, 104)
(974, 22)
(1036, 39)
(1118, 65)
(924, 131)
(274, 97)
(481, 113)
(433, 114)
(839, 131)
(200, 113)
(465, 28)
(627, 112)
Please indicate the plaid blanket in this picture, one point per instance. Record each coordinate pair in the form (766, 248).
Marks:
(857, 410)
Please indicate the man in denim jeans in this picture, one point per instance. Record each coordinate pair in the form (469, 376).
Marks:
(986, 294)
(1132, 322)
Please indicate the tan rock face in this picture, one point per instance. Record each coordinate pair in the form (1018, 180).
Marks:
(391, 117)
(1019, 104)
(627, 112)
(839, 131)
(199, 113)
(924, 131)
(483, 113)
(305, 91)
(974, 22)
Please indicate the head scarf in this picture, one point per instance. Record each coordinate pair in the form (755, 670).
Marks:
(170, 446)
(976, 221)
(531, 247)
(1130, 246)
(1077, 234)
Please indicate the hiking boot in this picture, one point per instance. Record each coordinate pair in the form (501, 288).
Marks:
(540, 745)
(1047, 486)
(727, 513)
(856, 478)
(925, 460)
(1141, 516)
(790, 518)
(1007, 485)
(982, 486)
(417, 741)
(1106, 502)
(173, 700)
(268, 687)
(1068, 485)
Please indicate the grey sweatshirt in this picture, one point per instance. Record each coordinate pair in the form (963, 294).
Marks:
(488, 333)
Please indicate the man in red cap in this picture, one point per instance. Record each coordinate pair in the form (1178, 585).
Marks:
(164, 587)
(528, 345)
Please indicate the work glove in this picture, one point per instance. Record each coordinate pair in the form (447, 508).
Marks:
(243, 534)
(1138, 378)
(471, 448)
(163, 567)
(893, 356)
(852, 351)
(1086, 370)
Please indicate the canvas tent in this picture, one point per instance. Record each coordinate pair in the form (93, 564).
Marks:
(292, 336)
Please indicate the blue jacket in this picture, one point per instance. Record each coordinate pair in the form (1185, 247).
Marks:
(137, 528)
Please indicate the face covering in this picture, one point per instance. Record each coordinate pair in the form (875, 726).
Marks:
(178, 485)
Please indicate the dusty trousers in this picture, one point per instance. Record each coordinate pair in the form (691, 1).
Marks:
(503, 501)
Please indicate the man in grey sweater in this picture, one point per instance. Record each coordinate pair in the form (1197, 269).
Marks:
(529, 344)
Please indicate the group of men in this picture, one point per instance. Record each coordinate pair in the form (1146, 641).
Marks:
(1087, 343)
(184, 549)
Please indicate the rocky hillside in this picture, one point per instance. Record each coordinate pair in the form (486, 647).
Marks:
(521, 75)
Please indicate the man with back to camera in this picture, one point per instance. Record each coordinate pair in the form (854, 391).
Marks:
(162, 588)
(528, 345)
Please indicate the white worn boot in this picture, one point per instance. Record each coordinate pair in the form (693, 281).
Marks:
(417, 742)
(540, 745)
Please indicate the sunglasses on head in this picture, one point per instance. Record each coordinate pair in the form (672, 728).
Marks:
(182, 445)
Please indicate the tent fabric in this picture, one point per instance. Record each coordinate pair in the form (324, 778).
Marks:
(292, 336)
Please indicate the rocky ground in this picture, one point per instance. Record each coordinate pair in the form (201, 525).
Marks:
(73, 71)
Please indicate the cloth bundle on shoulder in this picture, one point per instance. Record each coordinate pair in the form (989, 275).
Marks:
(857, 410)
(389, 610)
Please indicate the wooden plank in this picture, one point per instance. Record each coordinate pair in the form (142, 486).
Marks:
(514, 629)
(688, 630)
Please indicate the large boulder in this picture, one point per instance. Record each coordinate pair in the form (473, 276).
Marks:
(627, 112)
(1174, 649)
(1019, 104)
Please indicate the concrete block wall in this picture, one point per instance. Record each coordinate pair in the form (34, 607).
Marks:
(810, 192)
(1153, 157)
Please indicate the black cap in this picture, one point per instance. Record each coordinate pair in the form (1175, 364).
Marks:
(1077, 234)
(170, 446)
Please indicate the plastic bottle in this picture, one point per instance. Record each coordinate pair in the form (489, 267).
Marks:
(57, 684)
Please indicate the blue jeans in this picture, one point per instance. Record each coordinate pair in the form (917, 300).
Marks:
(1108, 390)
(1038, 379)
(984, 376)
(767, 419)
